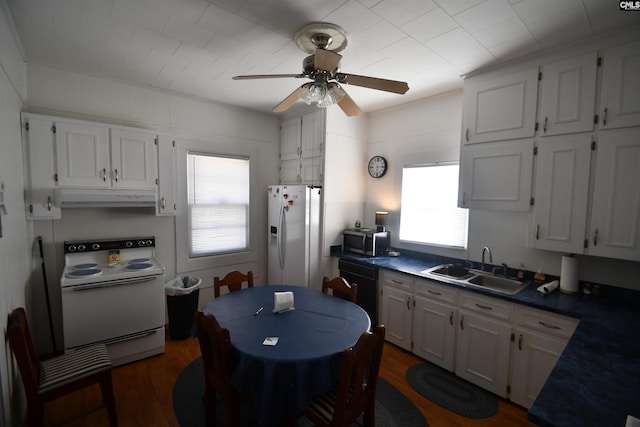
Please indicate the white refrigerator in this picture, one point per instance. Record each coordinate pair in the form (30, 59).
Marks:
(294, 235)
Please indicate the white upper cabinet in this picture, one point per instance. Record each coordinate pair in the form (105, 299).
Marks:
(615, 223)
(133, 159)
(167, 170)
(620, 99)
(301, 148)
(561, 193)
(82, 152)
(37, 134)
(500, 108)
(568, 95)
(290, 139)
(94, 156)
(496, 175)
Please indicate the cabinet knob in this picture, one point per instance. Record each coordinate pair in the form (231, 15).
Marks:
(595, 237)
(48, 203)
(604, 116)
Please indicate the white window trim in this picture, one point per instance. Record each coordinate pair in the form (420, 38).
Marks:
(223, 146)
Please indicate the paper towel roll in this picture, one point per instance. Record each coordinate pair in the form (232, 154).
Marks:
(569, 275)
(547, 288)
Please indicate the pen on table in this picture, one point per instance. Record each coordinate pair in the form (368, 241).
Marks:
(258, 312)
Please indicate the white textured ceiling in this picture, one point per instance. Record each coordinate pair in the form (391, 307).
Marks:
(194, 47)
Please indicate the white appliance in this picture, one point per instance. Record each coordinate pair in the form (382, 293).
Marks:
(113, 293)
(294, 235)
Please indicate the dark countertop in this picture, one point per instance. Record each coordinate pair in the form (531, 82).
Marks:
(596, 381)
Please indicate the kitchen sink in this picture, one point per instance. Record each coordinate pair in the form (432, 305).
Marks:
(498, 284)
(459, 275)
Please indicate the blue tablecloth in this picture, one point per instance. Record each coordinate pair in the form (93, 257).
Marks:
(283, 378)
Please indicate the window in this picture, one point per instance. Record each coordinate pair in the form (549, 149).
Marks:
(429, 212)
(218, 204)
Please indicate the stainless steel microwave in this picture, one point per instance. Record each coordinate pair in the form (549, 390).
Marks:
(365, 241)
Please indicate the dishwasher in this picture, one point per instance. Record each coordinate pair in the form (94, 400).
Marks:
(366, 277)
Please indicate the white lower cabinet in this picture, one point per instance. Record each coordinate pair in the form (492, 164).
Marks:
(434, 323)
(483, 342)
(506, 348)
(396, 307)
(539, 340)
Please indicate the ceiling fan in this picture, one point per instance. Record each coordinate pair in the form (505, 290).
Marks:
(323, 41)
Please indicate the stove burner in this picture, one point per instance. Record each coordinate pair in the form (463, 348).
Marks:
(138, 266)
(140, 261)
(88, 266)
(87, 272)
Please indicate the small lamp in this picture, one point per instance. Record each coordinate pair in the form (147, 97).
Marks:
(381, 220)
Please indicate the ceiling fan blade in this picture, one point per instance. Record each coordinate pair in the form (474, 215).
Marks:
(267, 76)
(327, 60)
(349, 106)
(373, 83)
(288, 101)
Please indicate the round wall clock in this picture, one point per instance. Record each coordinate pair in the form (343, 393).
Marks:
(377, 166)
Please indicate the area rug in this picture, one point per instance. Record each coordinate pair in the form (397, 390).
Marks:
(452, 393)
(392, 407)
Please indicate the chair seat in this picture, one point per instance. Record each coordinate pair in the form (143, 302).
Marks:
(73, 366)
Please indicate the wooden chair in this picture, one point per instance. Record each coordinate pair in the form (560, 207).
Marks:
(355, 392)
(215, 345)
(60, 375)
(233, 281)
(340, 288)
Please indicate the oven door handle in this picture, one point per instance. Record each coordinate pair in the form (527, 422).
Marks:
(110, 284)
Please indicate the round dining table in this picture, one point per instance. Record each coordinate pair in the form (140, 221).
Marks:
(305, 360)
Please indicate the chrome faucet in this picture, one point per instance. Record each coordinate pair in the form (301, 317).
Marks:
(486, 249)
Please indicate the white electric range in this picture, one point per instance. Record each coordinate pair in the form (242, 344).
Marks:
(113, 293)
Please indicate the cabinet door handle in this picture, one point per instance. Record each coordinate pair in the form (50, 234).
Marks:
(434, 292)
(451, 318)
(48, 203)
(604, 116)
(163, 203)
(104, 174)
(398, 282)
(537, 231)
(595, 237)
(544, 128)
(461, 322)
(466, 134)
(520, 342)
(409, 303)
(484, 307)
(464, 197)
(116, 174)
(547, 325)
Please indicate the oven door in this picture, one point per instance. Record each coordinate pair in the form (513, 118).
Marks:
(113, 310)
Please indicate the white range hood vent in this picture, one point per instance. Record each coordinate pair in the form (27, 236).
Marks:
(91, 198)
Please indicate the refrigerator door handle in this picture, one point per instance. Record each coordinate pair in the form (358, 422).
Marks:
(281, 239)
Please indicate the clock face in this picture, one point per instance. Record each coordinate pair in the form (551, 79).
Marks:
(377, 166)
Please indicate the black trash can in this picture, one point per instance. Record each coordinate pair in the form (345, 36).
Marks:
(182, 303)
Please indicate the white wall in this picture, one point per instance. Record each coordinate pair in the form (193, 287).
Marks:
(429, 131)
(62, 93)
(15, 254)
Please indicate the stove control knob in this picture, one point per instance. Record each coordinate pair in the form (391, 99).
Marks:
(129, 244)
(72, 248)
(149, 243)
(81, 248)
(95, 246)
(141, 243)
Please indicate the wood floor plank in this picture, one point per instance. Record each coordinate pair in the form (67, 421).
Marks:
(143, 392)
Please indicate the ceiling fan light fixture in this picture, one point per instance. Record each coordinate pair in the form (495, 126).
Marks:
(322, 94)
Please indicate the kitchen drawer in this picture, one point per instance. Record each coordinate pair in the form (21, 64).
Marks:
(396, 280)
(544, 321)
(435, 291)
(492, 307)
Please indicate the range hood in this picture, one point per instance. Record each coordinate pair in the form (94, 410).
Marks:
(107, 197)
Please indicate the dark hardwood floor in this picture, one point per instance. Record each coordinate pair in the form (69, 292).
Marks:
(144, 389)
